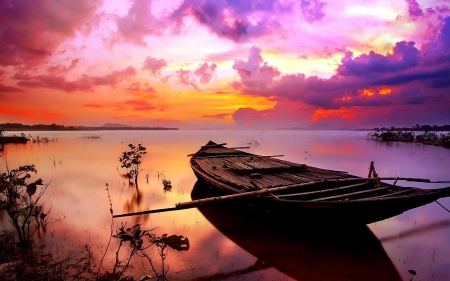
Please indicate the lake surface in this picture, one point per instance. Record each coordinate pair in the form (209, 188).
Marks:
(226, 245)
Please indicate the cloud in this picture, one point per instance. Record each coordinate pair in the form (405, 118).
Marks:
(205, 72)
(154, 65)
(414, 9)
(61, 69)
(31, 30)
(407, 76)
(232, 19)
(312, 10)
(404, 56)
(93, 105)
(140, 105)
(9, 89)
(85, 83)
(184, 77)
(217, 116)
(285, 114)
(138, 23)
(254, 73)
(136, 87)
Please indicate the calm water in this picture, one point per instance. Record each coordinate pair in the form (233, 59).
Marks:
(79, 168)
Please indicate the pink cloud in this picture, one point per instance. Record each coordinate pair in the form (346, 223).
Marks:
(31, 30)
(154, 65)
(136, 87)
(85, 83)
(184, 77)
(139, 22)
(61, 69)
(254, 73)
(205, 72)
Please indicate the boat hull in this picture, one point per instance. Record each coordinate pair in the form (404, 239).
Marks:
(339, 212)
(314, 195)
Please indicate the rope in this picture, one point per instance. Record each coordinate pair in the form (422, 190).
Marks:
(442, 206)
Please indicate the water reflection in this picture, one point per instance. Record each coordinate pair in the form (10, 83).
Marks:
(300, 251)
(80, 209)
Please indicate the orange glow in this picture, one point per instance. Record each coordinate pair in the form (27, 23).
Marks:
(343, 113)
(367, 92)
(383, 91)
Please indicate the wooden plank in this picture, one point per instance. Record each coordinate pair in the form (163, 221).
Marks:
(351, 194)
(323, 190)
(393, 193)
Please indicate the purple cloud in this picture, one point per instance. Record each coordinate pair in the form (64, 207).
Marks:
(404, 56)
(231, 19)
(414, 9)
(407, 76)
(312, 10)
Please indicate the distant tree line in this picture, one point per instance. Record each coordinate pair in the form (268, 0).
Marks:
(56, 127)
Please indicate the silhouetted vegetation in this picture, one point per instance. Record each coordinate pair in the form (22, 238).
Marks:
(131, 160)
(5, 139)
(418, 136)
(16, 198)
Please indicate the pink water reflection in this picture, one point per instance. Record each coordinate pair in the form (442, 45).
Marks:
(418, 239)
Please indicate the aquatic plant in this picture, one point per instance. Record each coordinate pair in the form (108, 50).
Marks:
(91, 136)
(135, 236)
(131, 160)
(426, 137)
(16, 197)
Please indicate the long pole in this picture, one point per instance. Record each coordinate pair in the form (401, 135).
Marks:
(199, 202)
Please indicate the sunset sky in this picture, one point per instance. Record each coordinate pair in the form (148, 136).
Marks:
(246, 64)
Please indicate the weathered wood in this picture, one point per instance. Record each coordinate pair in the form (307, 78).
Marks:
(234, 155)
(345, 195)
(397, 193)
(337, 188)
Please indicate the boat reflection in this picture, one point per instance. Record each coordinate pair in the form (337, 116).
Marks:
(303, 252)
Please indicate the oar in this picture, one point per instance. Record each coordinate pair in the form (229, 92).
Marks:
(199, 202)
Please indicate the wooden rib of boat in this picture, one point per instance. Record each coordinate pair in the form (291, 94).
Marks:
(274, 186)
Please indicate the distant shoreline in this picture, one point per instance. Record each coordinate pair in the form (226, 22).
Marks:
(89, 129)
(56, 127)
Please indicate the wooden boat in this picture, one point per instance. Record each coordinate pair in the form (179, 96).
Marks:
(277, 187)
